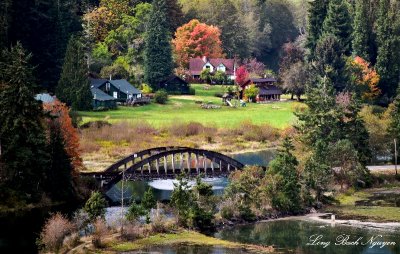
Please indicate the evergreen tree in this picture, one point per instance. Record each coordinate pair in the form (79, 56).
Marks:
(148, 201)
(95, 206)
(285, 193)
(338, 23)
(22, 136)
(74, 87)
(175, 15)
(59, 173)
(362, 33)
(329, 61)
(158, 51)
(388, 40)
(316, 16)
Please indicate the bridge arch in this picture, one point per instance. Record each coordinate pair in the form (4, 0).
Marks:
(167, 163)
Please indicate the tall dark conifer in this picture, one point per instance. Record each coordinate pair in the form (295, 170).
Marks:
(22, 136)
(175, 15)
(316, 16)
(158, 52)
(338, 23)
(362, 33)
(74, 87)
(388, 40)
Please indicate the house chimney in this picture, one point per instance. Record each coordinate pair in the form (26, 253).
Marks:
(110, 76)
(205, 59)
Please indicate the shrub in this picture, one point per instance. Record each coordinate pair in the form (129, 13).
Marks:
(146, 89)
(133, 231)
(95, 206)
(100, 230)
(71, 241)
(192, 91)
(227, 212)
(135, 211)
(161, 225)
(161, 97)
(56, 228)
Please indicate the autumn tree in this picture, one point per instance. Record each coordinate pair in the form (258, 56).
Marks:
(196, 39)
(242, 76)
(255, 68)
(60, 113)
(364, 77)
(295, 79)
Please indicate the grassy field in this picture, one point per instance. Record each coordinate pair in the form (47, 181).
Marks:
(184, 109)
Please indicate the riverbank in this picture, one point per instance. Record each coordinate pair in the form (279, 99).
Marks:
(115, 244)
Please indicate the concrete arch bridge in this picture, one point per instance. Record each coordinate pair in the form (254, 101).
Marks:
(167, 163)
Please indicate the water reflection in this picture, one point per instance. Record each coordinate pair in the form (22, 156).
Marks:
(162, 189)
(292, 236)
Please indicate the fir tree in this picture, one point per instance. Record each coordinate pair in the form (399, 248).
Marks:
(59, 173)
(316, 16)
(286, 192)
(22, 136)
(388, 40)
(362, 33)
(158, 52)
(329, 61)
(175, 15)
(338, 23)
(73, 87)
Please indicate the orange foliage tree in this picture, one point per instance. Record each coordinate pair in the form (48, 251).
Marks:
(60, 112)
(196, 39)
(365, 77)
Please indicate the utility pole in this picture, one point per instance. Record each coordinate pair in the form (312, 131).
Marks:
(122, 200)
(395, 156)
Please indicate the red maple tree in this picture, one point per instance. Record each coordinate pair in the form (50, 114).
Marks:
(242, 76)
(196, 39)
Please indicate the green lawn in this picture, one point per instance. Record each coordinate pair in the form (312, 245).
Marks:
(184, 109)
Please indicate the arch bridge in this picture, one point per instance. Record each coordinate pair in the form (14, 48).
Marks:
(167, 163)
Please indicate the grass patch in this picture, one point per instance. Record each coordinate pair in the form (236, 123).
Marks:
(348, 210)
(184, 109)
(184, 237)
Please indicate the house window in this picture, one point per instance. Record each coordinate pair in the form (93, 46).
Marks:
(115, 95)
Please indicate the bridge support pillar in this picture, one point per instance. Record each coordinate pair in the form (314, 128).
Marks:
(181, 162)
(220, 165)
(158, 166)
(149, 167)
(173, 163)
(197, 163)
(188, 161)
(205, 163)
(212, 164)
(165, 164)
(229, 167)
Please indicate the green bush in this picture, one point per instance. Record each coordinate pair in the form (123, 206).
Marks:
(95, 206)
(135, 211)
(226, 213)
(192, 91)
(161, 97)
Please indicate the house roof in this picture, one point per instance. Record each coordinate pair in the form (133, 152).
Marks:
(196, 64)
(100, 95)
(121, 84)
(44, 97)
(269, 90)
(172, 77)
(262, 80)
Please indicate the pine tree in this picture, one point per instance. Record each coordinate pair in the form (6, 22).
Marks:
(338, 23)
(286, 192)
(388, 40)
(362, 33)
(73, 87)
(158, 51)
(22, 136)
(316, 16)
(59, 173)
(330, 61)
(175, 15)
